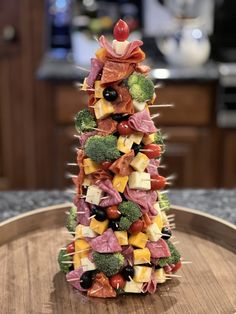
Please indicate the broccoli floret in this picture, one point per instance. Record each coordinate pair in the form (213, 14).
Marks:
(61, 258)
(141, 88)
(158, 139)
(72, 219)
(173, 259)
(84, 121)
(102, 148)
(163, 201)
(124, 224)
(108, 263)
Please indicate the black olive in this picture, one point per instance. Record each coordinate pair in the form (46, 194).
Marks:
(136, 148)
(86, 280)
(99, 213)
(166, 233)
(127, 272)
(114, 225)
(120, 117)
(157, 266)
(110, 94)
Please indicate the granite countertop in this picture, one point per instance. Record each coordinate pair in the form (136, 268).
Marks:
(221, 203)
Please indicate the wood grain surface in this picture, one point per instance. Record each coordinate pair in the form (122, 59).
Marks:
(31, 281)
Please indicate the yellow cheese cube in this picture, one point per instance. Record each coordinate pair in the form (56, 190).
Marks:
(136, 137)
(84, 85)
(124, 144)
(90, 166)
(94, 194)
(164, 218)
(82, 247)
(76, 261)
(87, 264)
(122, 237)
(139, 240)
(99, 226)
(82, 231)
(139, 106)
(160, 275)
(142, 273)
(133, 287)
(158, 220)
(103, 108)
(98, 93)
(153, 232)
(140, 181)
(140, 162)
(148, 138)
(119, 183)
(142, 256)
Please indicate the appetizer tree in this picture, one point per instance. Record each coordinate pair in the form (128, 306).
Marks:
(121, 231)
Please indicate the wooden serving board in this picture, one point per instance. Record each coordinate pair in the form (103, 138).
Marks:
(30, 281)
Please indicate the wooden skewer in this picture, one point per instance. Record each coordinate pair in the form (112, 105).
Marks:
(161, 106)
(170, 216)
(94, 291)
(173, 275)
(72, 164)
(158, 85)
(82, 68)
(76, 252)
(186, 262)
(62, 248)
(67, 262)
(155, 115)
(70, 175)
(100, 130)
(91, 217)
(74, 279)
(80, 212)
(165, 191)
(166, 207)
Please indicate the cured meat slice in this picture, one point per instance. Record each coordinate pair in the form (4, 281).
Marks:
(115, 72)
(113, 198)
(122, 165)
(106, 243)
(76, 274)
(150, 286)
(96, 68)
(100, 175)
(145, 199)
(124, 103)
(101, 287)
(153, 165)
(83, 137)
(127, 252)
(158, 249)
(143, 69)
(108, 126)
(142, 122)
(83, 211)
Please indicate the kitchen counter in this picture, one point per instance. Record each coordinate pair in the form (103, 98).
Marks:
(63, 69)
(221, 203)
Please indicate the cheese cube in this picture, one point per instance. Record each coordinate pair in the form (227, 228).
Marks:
(157, 207)
(99, 226)
(86, 182)
(103, 108)
(98, 93)
(136, 137)
(94, 194)
(84, 85)
(133, 287)
(82, 247)
(140, 181)
(82, 231)
(76, 261)
(140, 162)
(160, 275)
(122, 237)
(153, 232)
(142, 273)
(119, 183)
(139, 106)
(148, 138)
(90, 166)
(120, 46)
(124, 144)
(87, 264)
(158, 220)
(139, 240)
(142, 256)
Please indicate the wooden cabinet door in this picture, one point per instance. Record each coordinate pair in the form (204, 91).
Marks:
(228, 165)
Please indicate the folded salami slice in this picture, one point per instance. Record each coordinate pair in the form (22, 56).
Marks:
(142, 122)
(96, 68)
(122, 165)
(114, 197)
(76, 274)
(115, 72)
(83, 211)
(153, 165)
(158, 249)
(106, 243)
(150, 286)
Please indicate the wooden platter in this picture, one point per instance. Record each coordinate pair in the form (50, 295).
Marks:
(31, 283)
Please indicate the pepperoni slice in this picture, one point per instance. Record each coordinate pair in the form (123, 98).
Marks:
(101, 287)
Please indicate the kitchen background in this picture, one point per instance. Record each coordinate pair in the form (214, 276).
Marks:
(191, 47)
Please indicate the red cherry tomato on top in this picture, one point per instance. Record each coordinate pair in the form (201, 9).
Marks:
(136, 227)
(152, 151)
(113, 212)
(124, 128)
(121, 31)
(176, 267)
(70, 248)
(158, 182)
(117, 281)
(106, 164)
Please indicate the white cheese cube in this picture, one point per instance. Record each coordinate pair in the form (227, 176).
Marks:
(142, 273)
(133, 287)
(119, 46)
(136, 137)
(157, 207)
(160, 275)
(82, 231)
(87, 264)
(124, 144)
(153, 232)
(140, 162)
(139, 106)
(140, 181)
(94, 194)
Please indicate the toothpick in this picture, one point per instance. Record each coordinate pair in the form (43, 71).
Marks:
(155, 115)
(74, 279)
(100, 130)
(170, 215)
(76, 252)
(91, 217)
(161, 106)
(117, 286)
(67, 262)
(158, 85)
(70, 175)
(77, 136)
(94, 291)
(173, 275)
(80, 212)
(72, 164)
(82, 68)
(165, 191)
(186, 262)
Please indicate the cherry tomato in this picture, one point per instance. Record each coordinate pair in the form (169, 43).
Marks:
(136, 227)
(124, 128)
(113, 212)
(176, 267)
(121, 31)
(153, 150)
(70, 248)
(117, 281)
(158, 182)
(106, 164)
